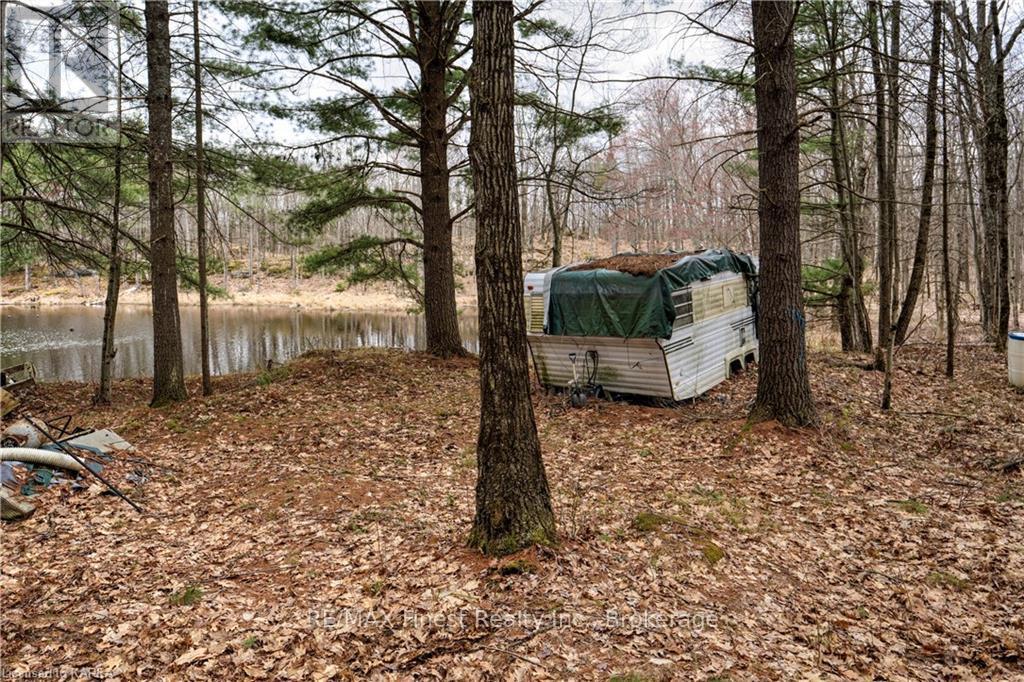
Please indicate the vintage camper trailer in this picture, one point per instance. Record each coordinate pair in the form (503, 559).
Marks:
(670, 326)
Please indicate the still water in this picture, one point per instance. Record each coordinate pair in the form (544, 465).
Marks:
(63, 342)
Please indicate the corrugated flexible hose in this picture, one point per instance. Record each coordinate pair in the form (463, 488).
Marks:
(44, 457)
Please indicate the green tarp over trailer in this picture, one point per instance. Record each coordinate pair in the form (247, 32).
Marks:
(612, 303)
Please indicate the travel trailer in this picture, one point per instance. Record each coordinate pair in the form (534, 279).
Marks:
(669, 326)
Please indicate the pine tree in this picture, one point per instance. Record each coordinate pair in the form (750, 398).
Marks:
(168, 365)
(513, 505)
(783, 385)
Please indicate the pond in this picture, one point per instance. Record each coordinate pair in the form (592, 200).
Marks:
(63, 342)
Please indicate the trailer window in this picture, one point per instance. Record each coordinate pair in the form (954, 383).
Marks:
(735, 295)
(534, 313)
(682, 299)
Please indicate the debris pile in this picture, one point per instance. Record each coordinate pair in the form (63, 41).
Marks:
(36, 454)
(639, 264)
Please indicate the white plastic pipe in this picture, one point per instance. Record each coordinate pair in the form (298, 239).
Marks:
(44, 457)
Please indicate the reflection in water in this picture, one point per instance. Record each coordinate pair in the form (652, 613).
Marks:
(64, 342)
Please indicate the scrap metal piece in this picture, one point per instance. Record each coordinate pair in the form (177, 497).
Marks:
(8, 402)
(17, 376)
(101, 441)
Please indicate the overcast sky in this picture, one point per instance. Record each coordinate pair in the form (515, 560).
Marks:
(637, 40)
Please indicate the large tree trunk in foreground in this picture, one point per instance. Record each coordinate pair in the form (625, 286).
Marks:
(513, 505)
(930, 142)
(204, 313)
(436, 39)
(168, 372)
(783, 386)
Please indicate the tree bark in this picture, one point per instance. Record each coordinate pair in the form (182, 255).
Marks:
(998, 139)
(881, 183)
(947, 277)
(226, 255)
(930, 142)
(988, 118)
(783, 385)
(252, 246)
(108, 350)
(435, 39)
(204, 312)
(886, 201)
(854, 325)
(168, 372)
(551, 198)
(892, 68)
(513, 505)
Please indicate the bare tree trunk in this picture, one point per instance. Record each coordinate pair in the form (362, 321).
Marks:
(990, 127)
(893, 90)
(947, 277)
(886, 202)
(924, 223)
(971, 199)
(524, 196)
(984, 76)
(999, 142)
(226, 255)
(854, 327)
(204, 313)
(967, 115)
(513, 505)
(108, 350)
(168, 372)
(783, 385)
(551, 199)
(252, 245)
(436, 39)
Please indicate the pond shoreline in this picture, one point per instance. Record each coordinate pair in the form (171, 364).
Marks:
(410, 309)
(63, 341)
(314, 293)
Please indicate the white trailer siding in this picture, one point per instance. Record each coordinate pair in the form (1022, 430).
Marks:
(700, 356)
(635, 366)
(714, 331)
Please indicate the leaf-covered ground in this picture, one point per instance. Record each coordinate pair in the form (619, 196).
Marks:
(308, 523)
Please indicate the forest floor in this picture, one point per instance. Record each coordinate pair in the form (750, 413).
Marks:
(309, 523)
